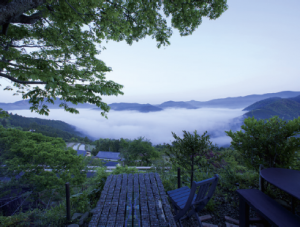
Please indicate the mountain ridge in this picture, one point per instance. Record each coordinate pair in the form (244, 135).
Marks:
(230, 103)
(285, 108)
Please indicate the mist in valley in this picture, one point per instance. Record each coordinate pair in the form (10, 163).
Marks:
(154, 126)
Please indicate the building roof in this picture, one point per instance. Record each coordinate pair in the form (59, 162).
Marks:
(111, 163)
(81, 152)
(108, 155)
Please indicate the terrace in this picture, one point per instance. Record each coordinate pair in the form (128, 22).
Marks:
(222, 210)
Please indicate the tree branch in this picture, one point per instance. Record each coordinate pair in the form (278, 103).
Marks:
(13, 11)
(20, 81)
(15, 65)
(23, 19)
(29, 46)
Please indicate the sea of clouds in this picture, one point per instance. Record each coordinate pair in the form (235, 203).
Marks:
(154, 126)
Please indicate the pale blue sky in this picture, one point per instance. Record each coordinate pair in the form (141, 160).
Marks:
(253, 48)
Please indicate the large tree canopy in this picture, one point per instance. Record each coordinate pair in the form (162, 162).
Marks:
(43, 42)
(32, 153)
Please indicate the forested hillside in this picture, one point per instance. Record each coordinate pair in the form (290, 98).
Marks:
(262, 103)
(287, 109)
(50, 128)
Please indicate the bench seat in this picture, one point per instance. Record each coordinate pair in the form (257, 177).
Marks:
(266, 207)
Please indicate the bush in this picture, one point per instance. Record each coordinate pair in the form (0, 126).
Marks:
(125, 169)
(80, 202)
(271, 142)
(241, 175)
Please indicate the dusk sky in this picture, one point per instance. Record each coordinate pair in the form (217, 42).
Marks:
(253, 48)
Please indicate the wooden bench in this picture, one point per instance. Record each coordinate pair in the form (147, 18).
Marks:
(266, 207)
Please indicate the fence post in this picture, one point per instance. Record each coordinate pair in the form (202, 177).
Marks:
(68, 202)
(178, 177)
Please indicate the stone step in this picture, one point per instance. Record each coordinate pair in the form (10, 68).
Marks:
(208, 225)
(236, 222)
(205, 217)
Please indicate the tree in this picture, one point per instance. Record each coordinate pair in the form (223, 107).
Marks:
(4, 122)
(138, 150)
(65, 51)
(94, 152)
(87, 140)
(3, 113)
(190, 151)
(32, 153)
(269, 142)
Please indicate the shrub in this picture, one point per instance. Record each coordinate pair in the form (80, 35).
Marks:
(125, 169)
(271, 142)
(80, 202)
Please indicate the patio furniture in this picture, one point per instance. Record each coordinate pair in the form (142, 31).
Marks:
(133, 200)
(287, 180)
(266, 207)
(185, 199)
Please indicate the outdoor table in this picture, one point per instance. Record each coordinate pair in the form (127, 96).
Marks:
(287, 180)
(133, 200)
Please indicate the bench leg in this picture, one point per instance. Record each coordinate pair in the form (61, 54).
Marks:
(244, 213)
(293, 204)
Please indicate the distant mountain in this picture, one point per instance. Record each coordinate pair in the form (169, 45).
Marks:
(287, 109)
(144, 108)
(241, 102)
(172, 104)
(230, 103)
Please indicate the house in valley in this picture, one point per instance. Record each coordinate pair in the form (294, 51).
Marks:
(109, 156)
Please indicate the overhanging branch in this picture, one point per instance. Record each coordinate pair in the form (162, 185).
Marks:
(13, 11)
(23, 19)
(20, 81)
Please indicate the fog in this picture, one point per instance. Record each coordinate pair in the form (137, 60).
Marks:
(154, 126)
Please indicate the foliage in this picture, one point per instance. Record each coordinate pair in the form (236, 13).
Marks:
(66, 51)
(15, 220)
(138, 150)
(50, 128)
(80, 202)
(168, 179)
(233, 157)
(125, 169)
(91, 161)
(54, 216)
(160, 147)
(89, 147)
(261, 103)
(270, 143)
(32, 153)
(3, 113)
(107, 145)
(193, 150)
(239, 175)
(287, 109)
(100, 174)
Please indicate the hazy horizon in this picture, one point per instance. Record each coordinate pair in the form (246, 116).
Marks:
(154, 126)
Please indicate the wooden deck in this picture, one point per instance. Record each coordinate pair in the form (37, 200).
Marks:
(133, 200)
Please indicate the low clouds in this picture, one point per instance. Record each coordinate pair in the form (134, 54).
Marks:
(155, 126)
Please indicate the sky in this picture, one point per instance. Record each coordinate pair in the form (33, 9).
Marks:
(253, 48)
